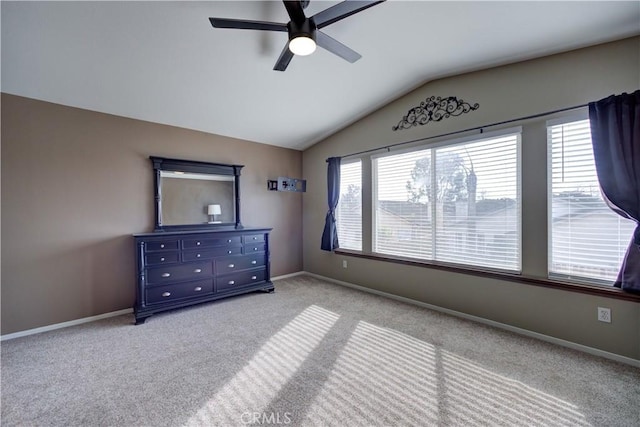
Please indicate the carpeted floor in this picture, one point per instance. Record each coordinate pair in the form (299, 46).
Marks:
(312, 353)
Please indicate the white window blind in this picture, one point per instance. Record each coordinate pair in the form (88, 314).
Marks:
(349, 211)
(480, 228)
(587, 239)
(458, 203)
(402, 215)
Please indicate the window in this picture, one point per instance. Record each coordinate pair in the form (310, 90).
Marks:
(349, 210)
(587, 239)
(402, 219)
(458, 203)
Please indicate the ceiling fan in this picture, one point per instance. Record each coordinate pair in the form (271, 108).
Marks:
(304, 32)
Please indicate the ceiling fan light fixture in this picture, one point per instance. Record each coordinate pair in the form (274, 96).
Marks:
(302, 45)
(304, 31)
(302, 37)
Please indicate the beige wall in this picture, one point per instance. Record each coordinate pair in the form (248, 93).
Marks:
(504, 93)
(197, 195)
(76, 184)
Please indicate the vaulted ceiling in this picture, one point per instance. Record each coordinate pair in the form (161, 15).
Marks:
(163, 62)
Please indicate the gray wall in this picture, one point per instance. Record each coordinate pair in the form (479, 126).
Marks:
(76, 184)
(504, 93)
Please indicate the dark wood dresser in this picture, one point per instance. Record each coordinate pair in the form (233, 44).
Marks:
(180, 268)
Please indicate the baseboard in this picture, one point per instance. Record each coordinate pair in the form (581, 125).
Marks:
(286, 276)
(520, 331)
(64, 324)
(525, 332)
(98, 317)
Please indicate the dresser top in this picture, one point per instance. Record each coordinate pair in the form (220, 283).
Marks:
(225, 230)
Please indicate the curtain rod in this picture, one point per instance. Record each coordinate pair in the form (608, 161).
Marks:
(481, 128)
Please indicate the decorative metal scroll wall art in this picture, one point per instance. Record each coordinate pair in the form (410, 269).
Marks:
(434, 109)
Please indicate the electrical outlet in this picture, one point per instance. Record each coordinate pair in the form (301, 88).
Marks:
(344, 263)
(604, 314)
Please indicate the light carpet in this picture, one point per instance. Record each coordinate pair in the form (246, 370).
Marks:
(312, 353)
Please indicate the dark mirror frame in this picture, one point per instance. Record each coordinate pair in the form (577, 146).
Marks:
(165, 164)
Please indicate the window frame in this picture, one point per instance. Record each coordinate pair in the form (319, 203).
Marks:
(448, 142)
(374, 193)
(602, 291)
(554, 276)
(533, 127)
(346, 163)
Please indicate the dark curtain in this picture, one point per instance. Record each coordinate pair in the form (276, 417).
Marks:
(330, 234)
(615, 132)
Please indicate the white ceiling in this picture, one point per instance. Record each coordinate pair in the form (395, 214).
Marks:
(163, 62)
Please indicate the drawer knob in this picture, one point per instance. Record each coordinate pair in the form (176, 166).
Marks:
(228, 252)
(229, 241)
(197, 243)
(232, 282)
(255, 249)
(197, 289)
(254, 262)
(162, 245)
(166, 294)
(231, 265)
(197, 270)
(166, 274)
(255, 238)
(161, 259)
(197, 255)
(254, 277)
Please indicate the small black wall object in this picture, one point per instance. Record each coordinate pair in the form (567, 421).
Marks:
(287, 184)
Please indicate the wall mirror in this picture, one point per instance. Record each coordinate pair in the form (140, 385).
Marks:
(191, 194)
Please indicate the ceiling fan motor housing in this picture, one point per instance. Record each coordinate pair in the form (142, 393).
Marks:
(305, 33)
(306, 28)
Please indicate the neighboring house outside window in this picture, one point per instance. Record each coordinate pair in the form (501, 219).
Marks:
(403, 228)
(587, 240)
(457, 203)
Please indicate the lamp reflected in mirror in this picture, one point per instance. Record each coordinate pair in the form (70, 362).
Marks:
(186, 191)
(213, 211)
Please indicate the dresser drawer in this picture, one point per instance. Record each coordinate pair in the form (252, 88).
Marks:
(230, 264)
(253, 238)
(168, 274)
(240, 279)
(210, 253)
(250, 248)
(161, 245)
(181, 268)
(209, 242)
(183, 290)
(161, 258)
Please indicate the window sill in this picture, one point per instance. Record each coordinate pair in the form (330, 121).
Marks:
(612, 292)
